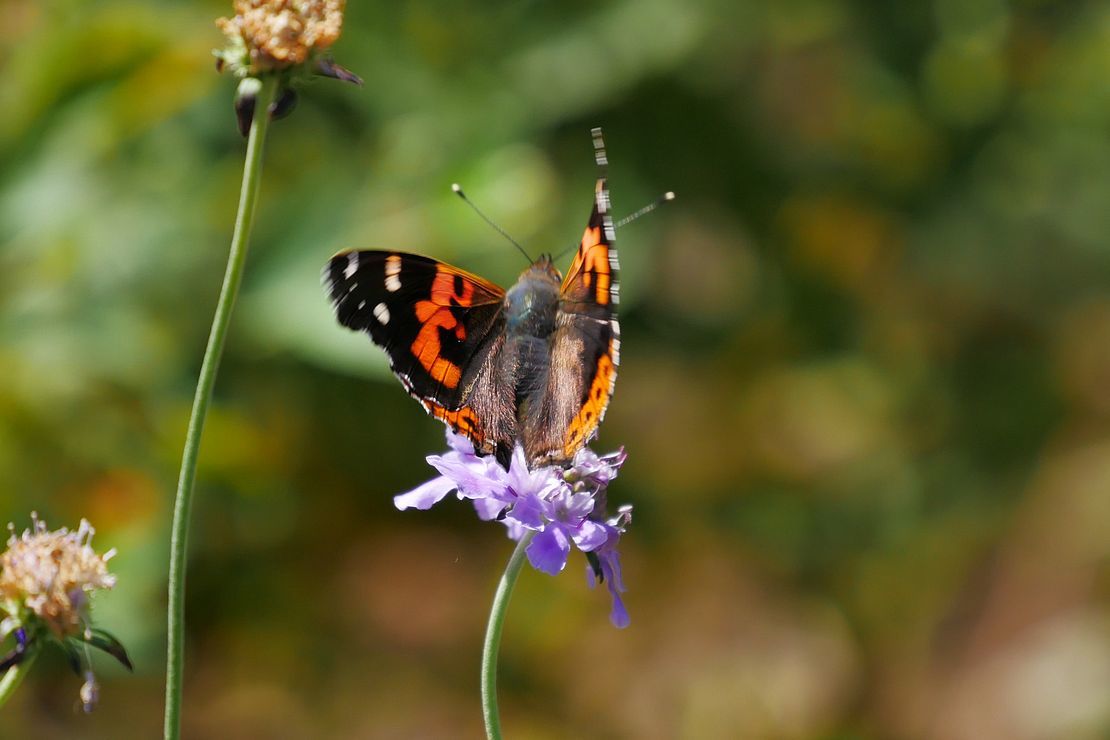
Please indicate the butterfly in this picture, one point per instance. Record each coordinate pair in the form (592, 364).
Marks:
(533, 365)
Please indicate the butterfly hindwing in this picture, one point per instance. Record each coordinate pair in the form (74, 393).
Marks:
(436, 323)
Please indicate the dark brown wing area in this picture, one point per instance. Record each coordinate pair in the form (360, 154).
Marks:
(585, 346)
(436, 323)
(568, 409)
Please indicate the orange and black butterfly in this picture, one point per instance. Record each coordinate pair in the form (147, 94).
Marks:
(534, 365)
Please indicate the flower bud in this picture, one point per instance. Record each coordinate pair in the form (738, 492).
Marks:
(245, 98)
(89, 693)
(284, 105)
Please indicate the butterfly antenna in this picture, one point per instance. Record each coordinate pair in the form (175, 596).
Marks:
(664, 198)
(459, 192)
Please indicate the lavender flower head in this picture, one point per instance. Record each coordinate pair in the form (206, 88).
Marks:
(563, 507)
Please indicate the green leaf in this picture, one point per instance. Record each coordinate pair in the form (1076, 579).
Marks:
(102, 640)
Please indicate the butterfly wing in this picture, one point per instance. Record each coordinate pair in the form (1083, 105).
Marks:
(436, 323)
(590, 287)
(585, 346)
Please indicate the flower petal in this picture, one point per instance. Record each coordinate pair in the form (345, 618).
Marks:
(548, 551)
(618, 615)
(611, 567)
(528, 510)
(514, 529)
(426, 495)
(590, 469)
(522, 480)
(591, 536)
(471, 478)
(460, 443)
(488, 508)
(608, 561)
(578, 506)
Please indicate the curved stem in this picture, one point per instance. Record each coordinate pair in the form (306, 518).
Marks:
(493, 637)
(14, 676)
(248, 194)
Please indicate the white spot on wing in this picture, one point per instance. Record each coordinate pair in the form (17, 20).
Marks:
(381, 313)
(352, 265)
(393, 273)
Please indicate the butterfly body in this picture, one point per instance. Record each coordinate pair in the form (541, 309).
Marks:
(532, 366)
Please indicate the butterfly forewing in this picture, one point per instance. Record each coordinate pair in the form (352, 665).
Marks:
(433, 320)
(591, 283)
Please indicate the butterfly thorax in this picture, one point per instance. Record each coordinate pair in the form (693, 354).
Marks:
(532, 303)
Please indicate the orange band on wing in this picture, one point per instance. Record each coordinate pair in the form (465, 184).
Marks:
(463, 421)
(589, 416)
(443, 289)
(595, 261)
(435, 314)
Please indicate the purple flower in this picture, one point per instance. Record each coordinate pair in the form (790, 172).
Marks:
(566, 519)
(460, 470)
(593, 469)
(608, 565)
(563, 507)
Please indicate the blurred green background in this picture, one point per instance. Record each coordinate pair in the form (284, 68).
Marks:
(865, 386)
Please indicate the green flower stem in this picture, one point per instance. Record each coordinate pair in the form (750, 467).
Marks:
(493, 637)
(248, 195)
(14, 676)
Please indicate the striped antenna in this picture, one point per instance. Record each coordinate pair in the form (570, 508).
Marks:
(664, 198)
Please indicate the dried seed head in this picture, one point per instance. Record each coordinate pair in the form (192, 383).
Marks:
(276, 34)
(51, 575)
